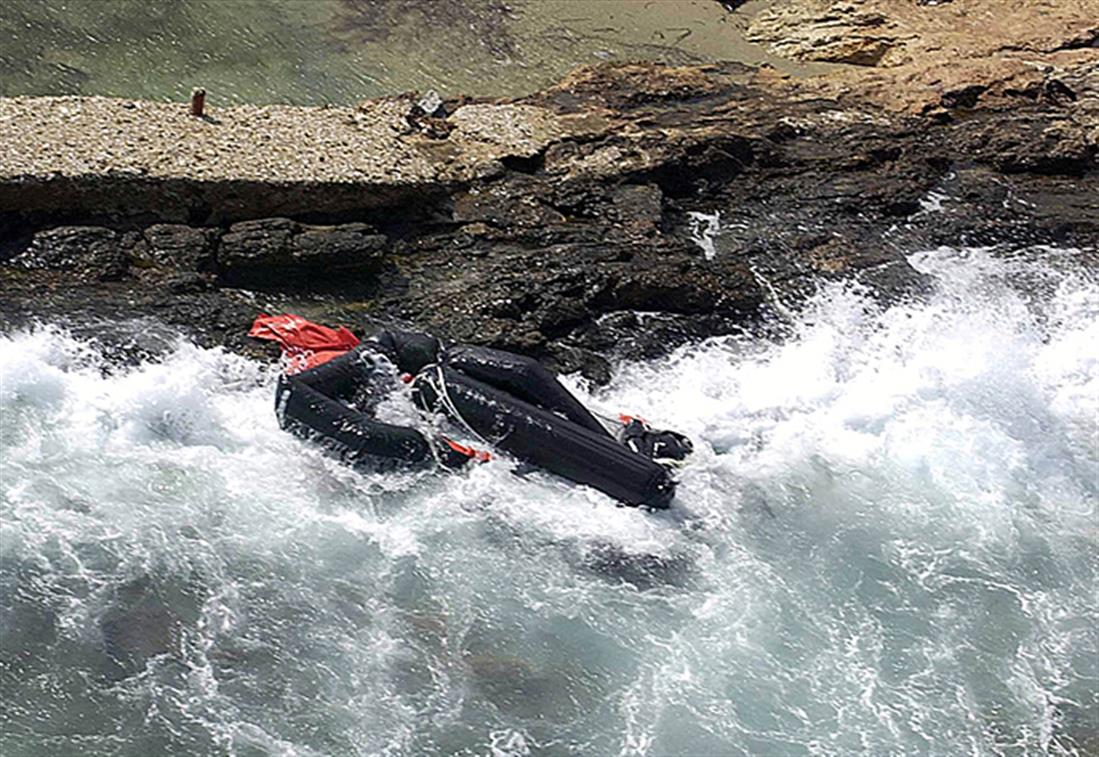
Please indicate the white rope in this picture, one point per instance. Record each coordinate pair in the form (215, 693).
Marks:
(441, 391)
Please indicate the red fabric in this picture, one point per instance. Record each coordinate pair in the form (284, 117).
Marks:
(477, 454)
(304, 343)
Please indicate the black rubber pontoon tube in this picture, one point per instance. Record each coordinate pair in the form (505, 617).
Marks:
(523, 377)
(408, 350)
(312, 405)
(545, 439)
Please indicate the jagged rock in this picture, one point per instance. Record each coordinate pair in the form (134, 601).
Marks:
(638, 206)
(187, 283)
(261, 241)
(278, 251)
(561, 317)
(90, 253)
(837, 32)
(542, 224)
(1043, 148)
(183, 247)
(504, 208)
(687, 290)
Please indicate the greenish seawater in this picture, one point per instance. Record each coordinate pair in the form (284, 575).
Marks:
(342, 51)
(886, 543)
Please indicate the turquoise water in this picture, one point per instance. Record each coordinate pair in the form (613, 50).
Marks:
(886, 543)
(312, 52)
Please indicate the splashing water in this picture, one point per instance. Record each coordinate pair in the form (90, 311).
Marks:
(704, 227)
(887, 542)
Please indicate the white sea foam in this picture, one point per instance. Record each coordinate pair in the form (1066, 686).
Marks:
(704, 228)
(886, 542)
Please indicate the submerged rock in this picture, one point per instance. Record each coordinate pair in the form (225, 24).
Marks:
(138, 626)
(640, 570)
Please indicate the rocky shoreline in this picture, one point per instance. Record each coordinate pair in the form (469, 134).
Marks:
(546, 224)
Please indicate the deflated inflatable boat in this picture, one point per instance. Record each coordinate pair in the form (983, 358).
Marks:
(507, 401)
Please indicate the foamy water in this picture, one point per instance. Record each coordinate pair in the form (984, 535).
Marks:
(887, 542)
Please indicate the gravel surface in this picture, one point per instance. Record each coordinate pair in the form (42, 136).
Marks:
(374, 143)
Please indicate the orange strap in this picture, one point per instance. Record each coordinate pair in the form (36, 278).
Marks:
(476, 454)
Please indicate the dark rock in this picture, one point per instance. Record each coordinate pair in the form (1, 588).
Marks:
(690, 289)
(582, 251)
(186, 283)
(563, 358)
(501, 206)
(281, 252)
(638, 205)
(342, 249)
(183, 247)
(965, 97)
(264, 241)
(90, 253)
(560, 317)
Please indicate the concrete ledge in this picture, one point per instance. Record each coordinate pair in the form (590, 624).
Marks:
(103, 156)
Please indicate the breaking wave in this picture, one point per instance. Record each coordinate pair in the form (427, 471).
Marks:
(887, 541)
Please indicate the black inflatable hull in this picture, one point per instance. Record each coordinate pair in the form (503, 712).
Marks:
(548, 441)
(311, 405)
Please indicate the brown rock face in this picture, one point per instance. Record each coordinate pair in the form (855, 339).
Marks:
(842, 32)
(912, 54)
(888, 33)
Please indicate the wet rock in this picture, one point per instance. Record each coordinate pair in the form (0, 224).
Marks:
(182, 247)
(278, 252)
(628, 335)
(1041, 147)
(689, 289)
(502, 206)
(187, 283)
(639, 207)
(559, 224)
(565, 359)
(89, 253)
(560, 317)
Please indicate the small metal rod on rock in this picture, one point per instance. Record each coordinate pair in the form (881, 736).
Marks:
(198, 102)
